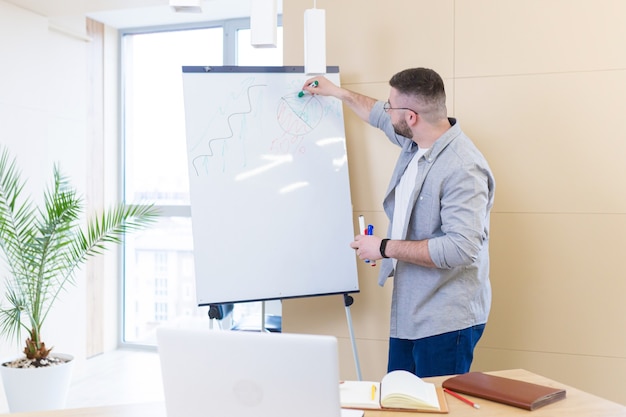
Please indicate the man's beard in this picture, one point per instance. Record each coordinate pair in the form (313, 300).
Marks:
(402, 129)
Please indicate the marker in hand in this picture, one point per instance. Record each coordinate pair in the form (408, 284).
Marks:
(313, 84)
(370, 232)
(366, 231)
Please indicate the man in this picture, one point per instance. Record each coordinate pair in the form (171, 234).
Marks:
(438, 203)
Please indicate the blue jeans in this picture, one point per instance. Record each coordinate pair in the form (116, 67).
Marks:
(444, 354)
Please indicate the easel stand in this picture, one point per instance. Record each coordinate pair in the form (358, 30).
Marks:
(347, 301)
(219, 311)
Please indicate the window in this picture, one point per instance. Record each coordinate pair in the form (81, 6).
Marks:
(160, 312)
(159, 282)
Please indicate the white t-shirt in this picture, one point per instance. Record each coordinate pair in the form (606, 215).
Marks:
(403, 191)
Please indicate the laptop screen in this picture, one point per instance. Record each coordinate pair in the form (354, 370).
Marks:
(232, 373)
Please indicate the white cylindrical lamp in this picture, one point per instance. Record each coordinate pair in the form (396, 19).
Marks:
(315, 41)
(263, 23)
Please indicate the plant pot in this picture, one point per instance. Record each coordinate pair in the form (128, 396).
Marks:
(35, 389)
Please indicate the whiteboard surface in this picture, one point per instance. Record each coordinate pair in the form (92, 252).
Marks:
(270, 196)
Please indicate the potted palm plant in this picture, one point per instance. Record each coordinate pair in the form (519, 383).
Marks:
(42, 248)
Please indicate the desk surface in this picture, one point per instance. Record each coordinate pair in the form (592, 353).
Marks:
(577, 404)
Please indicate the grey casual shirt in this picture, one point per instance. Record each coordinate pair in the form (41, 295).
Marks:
(450, 207)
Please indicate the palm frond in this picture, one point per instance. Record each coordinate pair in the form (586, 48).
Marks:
(11, 318)
(17, 220)
(108, 228)
(44, 247)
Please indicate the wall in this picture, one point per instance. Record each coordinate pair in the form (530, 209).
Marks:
(50, 111)
(540, 86)
(111, 298)
(43, 121)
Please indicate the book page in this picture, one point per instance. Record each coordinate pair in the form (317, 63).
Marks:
(402, 389)
(360, 394)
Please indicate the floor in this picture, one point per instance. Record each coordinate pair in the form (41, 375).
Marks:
(133, 375)
(117, 377)
(121, 377)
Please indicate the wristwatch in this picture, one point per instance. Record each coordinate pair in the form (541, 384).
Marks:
(383, 245)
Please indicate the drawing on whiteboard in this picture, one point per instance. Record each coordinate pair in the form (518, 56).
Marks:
(297, 116)
(200, 161)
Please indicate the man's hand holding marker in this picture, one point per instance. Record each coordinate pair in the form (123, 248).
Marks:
(321, 86)
(312, 84)
(366, 244)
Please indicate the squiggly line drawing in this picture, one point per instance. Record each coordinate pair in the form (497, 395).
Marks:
(203, 157)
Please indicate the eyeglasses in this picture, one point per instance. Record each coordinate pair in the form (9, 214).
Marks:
(388, 107)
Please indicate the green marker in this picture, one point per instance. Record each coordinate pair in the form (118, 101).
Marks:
(313, 84)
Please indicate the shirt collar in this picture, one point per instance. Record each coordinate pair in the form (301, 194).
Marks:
(441, 143)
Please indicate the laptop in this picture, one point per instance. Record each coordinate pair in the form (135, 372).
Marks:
(210, 373)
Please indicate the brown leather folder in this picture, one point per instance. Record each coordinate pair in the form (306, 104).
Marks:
(504, 390)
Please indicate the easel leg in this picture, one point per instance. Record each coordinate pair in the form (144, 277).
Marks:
(263, 328)
(215, 314)
(348, 300)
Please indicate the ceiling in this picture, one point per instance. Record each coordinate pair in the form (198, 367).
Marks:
(136, 13)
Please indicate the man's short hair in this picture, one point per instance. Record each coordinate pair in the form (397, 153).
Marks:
(425, 86)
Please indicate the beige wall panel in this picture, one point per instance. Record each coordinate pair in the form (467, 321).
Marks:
(495, 37)
(601, 376)
(372, 356)
(315, 315)
(371, 157)
(370, 40)
(547, 295)
(547, 153)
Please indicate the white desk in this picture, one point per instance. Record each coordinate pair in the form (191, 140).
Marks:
(577, 404)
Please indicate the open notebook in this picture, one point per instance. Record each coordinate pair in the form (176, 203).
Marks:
(236, 374)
